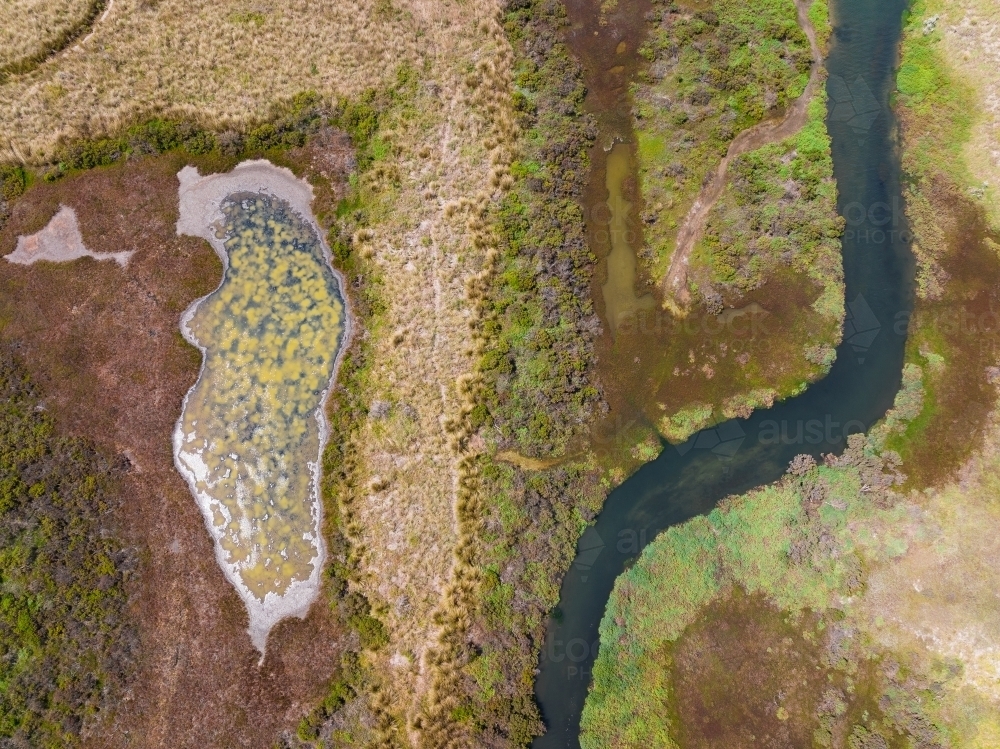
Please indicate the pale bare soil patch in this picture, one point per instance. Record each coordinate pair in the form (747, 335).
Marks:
(60, 242)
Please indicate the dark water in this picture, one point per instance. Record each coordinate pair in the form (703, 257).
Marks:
(738, 455)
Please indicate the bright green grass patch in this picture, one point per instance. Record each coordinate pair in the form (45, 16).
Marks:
(819, 15)
(945, 106)
(686, 422)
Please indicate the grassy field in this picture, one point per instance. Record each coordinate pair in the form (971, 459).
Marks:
(848, 602)
(31, 30)
(221, 64)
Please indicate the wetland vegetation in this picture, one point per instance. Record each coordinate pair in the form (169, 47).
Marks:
(769, 253)
(66, 642)
(953, 332)
(843, 598)
(713, 73)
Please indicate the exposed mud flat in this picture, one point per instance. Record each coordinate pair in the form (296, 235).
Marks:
(252, 428)
(60, 242)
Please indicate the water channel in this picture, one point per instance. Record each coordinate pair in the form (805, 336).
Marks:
(738, 455)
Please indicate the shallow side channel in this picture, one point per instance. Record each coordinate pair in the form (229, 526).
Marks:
(738, 455)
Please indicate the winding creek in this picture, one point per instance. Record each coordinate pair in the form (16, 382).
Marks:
(738, 455)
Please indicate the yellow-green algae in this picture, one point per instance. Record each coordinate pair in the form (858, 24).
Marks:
(251, 430)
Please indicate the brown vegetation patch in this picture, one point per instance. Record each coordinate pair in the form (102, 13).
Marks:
(756, 342)
(744, 648)
(962, 325)
(103, 345)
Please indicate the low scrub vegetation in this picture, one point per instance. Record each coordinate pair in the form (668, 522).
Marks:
(765, 277)
(713, 73)
(779, 208)
(65, 643)
(539, 392)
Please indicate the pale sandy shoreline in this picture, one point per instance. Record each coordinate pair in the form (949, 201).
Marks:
(201, 198)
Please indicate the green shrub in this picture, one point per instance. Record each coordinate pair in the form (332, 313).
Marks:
(65, 647)
(13, 181)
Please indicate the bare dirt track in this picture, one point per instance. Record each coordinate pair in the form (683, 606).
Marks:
(762, 134)
(103, 344)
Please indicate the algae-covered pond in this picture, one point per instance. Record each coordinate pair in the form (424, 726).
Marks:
(252, 428)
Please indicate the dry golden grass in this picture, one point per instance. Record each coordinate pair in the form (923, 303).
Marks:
(222, 62)
(434, 252)
(29, 27)
(971, 45)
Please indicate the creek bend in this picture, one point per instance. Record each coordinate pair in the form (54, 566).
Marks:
(738, 455)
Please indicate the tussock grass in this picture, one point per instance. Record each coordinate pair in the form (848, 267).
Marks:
(419, 250)
(220, 64)
(31, 30)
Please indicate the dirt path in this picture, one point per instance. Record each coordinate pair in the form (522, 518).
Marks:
(770, 131)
